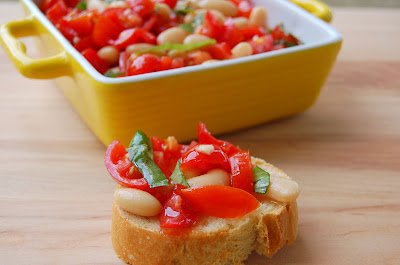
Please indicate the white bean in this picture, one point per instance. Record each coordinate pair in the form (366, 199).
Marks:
(118, 4)
(109, 54)
(210, 61)
(283, 189)
(98, 5)
(212, 177)
(258, 16)
(195, 38)
(137, 47)
(163, 9)
(242, 49)
(240, 22)
(172, 35)
(137, 202)
(225, 7)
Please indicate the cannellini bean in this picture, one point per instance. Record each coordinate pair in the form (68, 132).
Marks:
(110, 54)
(163, 9)
(225, 7)
(212, 177)
(195, 38)
(138, 47)
(189, 18)
(240, 22)
(283, 189)
(172, 35)
(98, 5)
(258, 16)
(137, 202)
(211, 61)
(242, 49)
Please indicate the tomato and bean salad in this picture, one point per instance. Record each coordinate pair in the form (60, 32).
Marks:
(131, 37)
(208, 177)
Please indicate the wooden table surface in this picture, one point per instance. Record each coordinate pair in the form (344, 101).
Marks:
(55, 195)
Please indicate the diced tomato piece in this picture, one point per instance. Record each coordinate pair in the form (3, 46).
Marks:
(166, 153)
(119, 168)
(199, 163)
(84, 43)
(125, 17)
(166, 62)
(177, 63)
(220, 51)
(143, 7)
(231, 34)
(205, 137)
(176, 214)
(81, 22)
(278, 33)
(251, 31)
(46, 4)
(150, 24)
(56, 12)
(95, 60)
(244, 8)
(131, 36)
(123, 61)
(211, 27)
(220, 201)
(241, 171)
(105, 30)
(170, 3)
(68, 32)
(262, 44)
(197, 57)
(143, 64)
(72, 3)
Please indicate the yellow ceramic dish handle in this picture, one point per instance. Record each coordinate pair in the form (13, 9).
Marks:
(43, 68)
(315, 7)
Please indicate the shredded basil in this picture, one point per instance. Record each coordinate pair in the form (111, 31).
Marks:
(261, 180)
(187, 27)
(141, 155)
(113, 73)
(177, 176)
(81, 5)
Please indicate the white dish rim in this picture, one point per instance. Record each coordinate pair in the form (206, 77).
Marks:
(335, 37)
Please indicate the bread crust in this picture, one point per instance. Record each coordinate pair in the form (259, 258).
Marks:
(140, 241)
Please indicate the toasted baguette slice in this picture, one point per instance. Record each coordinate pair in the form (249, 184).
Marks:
(140, 241)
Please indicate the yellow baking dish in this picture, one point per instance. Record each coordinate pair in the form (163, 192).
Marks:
(227, 95)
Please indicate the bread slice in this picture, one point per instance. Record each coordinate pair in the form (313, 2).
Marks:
(140, 241)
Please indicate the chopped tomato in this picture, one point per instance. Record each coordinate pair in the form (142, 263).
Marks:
(251, 31)
(175, 214)
(95, 60)
(142, 7)
(262, 44)
(120, 170)
(231, 34)
(241, 171)
(150, 24)
(201, 162)
(143, 64)
(205, 137)
(220, 201)
(57, 11)
(211, 27)
(81, 23)
(72, 3)
(166, 153)
(177, 63)
(135, 35)
(198, 57)
(170, 3)
(166, 62)
(68, 32)
(84, 43)
(105, 30)
(244, 7)
(123, 61)
(220, 51)
(278, 33)
(46, 4)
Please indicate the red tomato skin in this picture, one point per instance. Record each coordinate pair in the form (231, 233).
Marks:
(95, 60)
(241, 171)
(143, 64)
(231, 34)
(220, 51)
(142, 7)
(131, 36)
(116, 163)
(177, 63)
(201, 163)
(84, 43)
(72, 3)
(220, 201)
(251, 31)
(205, 137)
(175, 214)
(46, 4)
(244, 8)
(56, 12)
(170, 3)
(211, 26)
(66, 30)
(81, 23)
(105, 30)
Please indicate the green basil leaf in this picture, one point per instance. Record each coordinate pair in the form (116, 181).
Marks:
(140, 138)
(187, 27)
(177, 176)
(81, 5)
(113, 73)
(261, 180)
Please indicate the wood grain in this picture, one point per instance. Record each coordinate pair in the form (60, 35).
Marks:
(55, 195)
